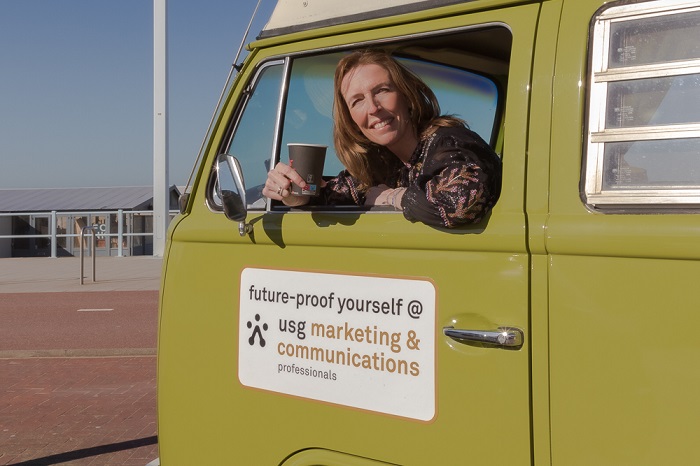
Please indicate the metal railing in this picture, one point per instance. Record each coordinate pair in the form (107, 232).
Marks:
(53, 236)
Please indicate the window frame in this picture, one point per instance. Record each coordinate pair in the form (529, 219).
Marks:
(286, 61)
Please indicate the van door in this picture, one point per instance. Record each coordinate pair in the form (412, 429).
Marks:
(328, 328)
(623, 248)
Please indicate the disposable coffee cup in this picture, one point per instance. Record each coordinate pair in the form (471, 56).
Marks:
(307, 160)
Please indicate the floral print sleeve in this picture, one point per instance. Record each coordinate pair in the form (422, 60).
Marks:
(454, 178)
(341, 190)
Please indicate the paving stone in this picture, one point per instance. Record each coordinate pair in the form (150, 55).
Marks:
(78, 411)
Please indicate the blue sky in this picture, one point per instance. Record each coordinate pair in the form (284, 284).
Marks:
(76, 86)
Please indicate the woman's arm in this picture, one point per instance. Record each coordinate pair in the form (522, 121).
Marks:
(458, 183)
(340, 190)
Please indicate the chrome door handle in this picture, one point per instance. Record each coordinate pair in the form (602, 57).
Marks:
(505, 337)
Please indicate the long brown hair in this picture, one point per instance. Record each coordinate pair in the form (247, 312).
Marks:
(371, 163)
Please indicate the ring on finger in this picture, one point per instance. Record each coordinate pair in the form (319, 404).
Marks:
(279, 190)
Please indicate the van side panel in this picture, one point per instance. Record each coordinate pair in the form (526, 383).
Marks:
(623, 304)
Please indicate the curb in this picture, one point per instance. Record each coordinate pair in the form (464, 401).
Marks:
(77, 353)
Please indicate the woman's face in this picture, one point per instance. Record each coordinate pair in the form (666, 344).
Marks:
(378, 109)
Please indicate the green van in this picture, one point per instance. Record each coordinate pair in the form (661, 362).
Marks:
(558, 331)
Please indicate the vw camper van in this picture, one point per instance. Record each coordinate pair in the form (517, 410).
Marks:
(560, 330)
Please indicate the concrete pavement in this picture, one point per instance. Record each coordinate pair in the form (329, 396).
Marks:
(41, 275)
(78, 365)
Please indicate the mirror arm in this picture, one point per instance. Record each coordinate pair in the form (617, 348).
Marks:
(244, 228)
(182, 202)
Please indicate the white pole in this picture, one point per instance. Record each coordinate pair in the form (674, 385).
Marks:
(120, 233)
(54, 239)
(161, 191)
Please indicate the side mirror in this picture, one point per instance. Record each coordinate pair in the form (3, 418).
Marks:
(230, 188)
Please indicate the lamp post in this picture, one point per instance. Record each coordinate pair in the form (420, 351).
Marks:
(161, 191)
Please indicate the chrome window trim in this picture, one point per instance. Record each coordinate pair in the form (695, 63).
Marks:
(277, 133)
(646, 133)
(658, 70)
(647, 9)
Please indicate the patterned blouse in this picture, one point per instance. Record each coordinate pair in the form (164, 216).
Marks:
(453, 178)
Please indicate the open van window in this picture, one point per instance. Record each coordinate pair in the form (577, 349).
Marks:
(290, 100)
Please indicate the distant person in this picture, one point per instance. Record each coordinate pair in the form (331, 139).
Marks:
(398, 150)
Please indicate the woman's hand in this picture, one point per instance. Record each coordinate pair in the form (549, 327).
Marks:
(384, 195)
(279, 185)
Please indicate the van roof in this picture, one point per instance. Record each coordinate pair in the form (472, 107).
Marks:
(297, 15)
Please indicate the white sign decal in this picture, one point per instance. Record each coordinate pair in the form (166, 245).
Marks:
(359, 341)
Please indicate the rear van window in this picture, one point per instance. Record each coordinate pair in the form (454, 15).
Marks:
(643, 144)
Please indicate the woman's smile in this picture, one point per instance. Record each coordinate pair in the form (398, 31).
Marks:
(383, 123)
